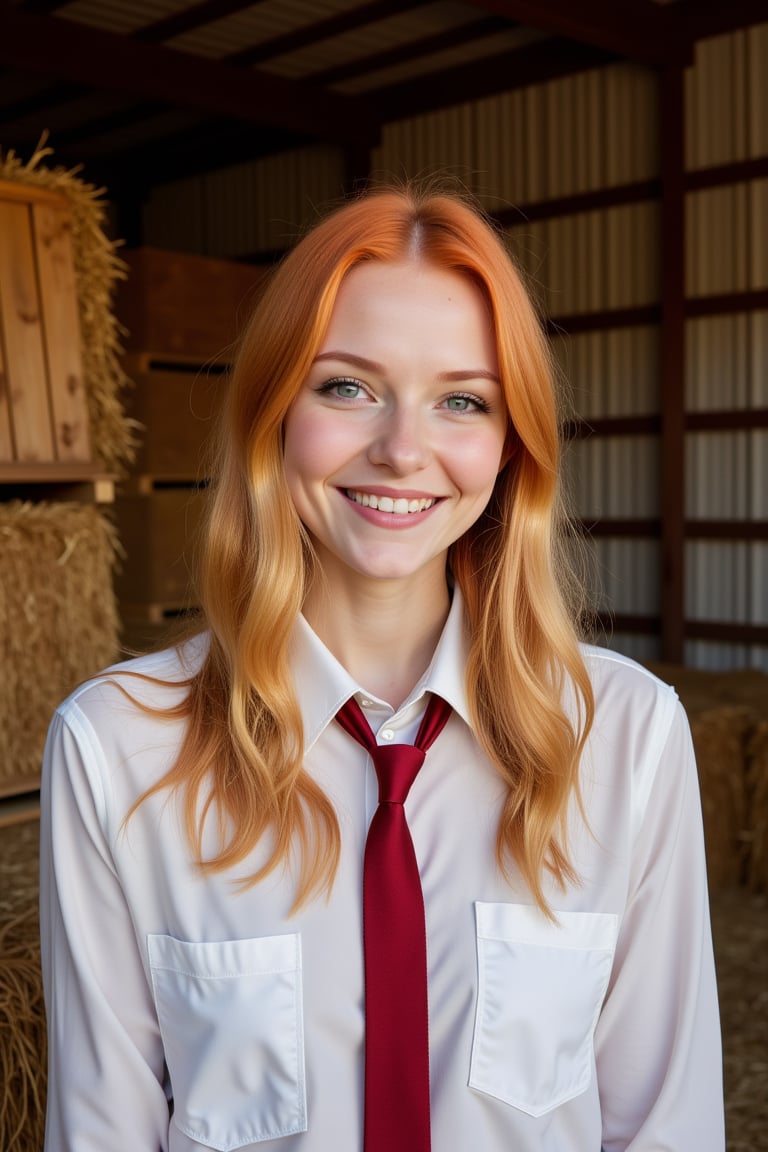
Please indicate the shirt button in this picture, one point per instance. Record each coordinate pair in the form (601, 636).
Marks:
(367, 703)
(387, 734)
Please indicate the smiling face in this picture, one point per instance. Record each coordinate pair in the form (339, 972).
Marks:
(393, 444)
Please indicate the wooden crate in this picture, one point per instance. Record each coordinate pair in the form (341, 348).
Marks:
(158, 532)
(176, 403)
(43, 408)
(177, 304)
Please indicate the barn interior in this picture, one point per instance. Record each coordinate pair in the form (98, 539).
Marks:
(157, 159)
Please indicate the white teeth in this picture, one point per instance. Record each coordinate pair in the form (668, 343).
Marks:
(400, 507)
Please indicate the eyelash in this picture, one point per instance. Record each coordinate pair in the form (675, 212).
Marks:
(480, 404)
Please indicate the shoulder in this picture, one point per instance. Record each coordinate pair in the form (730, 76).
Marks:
(611, 671)
(156, 681)
(632, 705)
(119, 730)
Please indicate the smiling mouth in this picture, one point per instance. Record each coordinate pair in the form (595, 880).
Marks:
(400, 506)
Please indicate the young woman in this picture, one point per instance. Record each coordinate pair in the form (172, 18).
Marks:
(385, 527)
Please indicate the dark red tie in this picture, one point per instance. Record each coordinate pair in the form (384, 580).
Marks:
(396, 1013)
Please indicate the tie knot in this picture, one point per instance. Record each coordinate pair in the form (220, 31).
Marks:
(397, 766)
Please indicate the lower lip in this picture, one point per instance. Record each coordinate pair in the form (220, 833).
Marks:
(394, 520)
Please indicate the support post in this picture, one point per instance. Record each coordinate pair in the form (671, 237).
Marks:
(672, 138)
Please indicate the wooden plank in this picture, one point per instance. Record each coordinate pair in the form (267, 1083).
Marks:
(52, 227)
(181, 305)
(20, 318)
(20, 809)
(177, 410)
(6, 440)
(21, 193)
(159, 534)
(19, 786)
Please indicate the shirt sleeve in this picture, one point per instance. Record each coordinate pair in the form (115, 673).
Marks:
(105, 1059)
(658, 1046)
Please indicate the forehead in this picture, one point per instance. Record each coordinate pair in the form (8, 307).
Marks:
(412, 302)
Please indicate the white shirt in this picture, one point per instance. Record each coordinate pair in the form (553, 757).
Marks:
(600, 1031)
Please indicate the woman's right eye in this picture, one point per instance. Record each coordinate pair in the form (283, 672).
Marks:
(344, 387)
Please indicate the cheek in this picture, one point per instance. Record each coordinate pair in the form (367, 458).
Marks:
(303, 446)
(314, 448)
(478, 462)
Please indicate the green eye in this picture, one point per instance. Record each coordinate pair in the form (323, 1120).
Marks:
(459, 403)
(347, 389)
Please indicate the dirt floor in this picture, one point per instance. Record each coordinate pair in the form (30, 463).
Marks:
(740, 927)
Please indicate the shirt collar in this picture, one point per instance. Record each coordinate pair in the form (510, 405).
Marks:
(323, 685)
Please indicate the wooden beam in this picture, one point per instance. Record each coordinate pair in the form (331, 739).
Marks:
(726, 632)
(731, 420)
(631, 529)
(699, 19)
(726, 304)
(756, 168)
(612, 426)
(644, 315)
(190, 18)
(420, 48)
(634, 29)
(531, 64)
(69, 51)
(740, 530)
(335, 25)
(596, 199)
(206, 146)
(672, 130)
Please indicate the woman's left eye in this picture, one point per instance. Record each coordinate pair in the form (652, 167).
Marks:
(465, 402)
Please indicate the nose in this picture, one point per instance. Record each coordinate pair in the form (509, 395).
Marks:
(400, 443)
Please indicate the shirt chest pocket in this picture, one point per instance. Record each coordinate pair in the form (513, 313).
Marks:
(540, 990)
(230, 1016)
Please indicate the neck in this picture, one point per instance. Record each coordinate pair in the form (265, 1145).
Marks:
(384, 632)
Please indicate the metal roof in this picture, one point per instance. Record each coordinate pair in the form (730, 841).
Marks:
(142, 91)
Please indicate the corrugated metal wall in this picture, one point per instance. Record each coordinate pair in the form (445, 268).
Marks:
(572, 136)
(727, 353)
(242, 211)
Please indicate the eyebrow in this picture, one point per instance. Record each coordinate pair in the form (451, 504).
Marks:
(454, 377)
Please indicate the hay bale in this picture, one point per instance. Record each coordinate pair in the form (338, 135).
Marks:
(58, 620)
(22, 1026)
(704, 694)
(757, 784)
(700, 690)
(719, 737)
(22, 1010)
